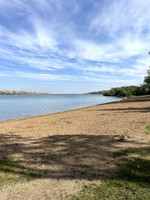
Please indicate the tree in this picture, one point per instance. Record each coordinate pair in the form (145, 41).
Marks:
(147, 80)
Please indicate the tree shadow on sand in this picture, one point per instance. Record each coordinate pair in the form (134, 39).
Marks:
(60, 156)
(128, 110)
(135, 99)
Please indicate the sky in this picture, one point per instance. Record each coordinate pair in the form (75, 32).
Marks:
(73, 46)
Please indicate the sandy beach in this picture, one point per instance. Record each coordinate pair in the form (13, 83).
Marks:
(126, 117)
(72, 148)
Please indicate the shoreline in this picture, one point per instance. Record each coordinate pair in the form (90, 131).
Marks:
(59, 112)
(71, 149)
(128, 116)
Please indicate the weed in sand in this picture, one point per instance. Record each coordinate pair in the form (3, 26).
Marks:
(25, 155)
(147, 131)
(34, 174)
(56, 156)
(83, 166)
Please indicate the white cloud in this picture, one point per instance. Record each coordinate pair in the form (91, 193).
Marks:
(126, 26)
(118, 37)
(39, 76)
(126, 16)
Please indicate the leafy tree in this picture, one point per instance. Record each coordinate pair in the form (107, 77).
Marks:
(123, 91)
(147, 81)
(147, 78)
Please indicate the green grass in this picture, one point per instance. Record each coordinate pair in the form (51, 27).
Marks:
(136, 170)
(114, 190)
(132, 181)
(56, 156)
(13, 171)
(126, 152)
(147, 131)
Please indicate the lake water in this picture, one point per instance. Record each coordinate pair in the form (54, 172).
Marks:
(22, 106)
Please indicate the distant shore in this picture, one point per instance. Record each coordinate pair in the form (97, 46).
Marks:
(19, 92)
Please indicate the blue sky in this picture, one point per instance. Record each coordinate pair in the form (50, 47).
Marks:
(72, 46)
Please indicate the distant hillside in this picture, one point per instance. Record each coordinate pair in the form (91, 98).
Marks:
(20, 92)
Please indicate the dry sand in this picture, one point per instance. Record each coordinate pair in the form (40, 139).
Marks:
(73, 148)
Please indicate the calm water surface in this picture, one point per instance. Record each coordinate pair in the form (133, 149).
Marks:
(21, 106)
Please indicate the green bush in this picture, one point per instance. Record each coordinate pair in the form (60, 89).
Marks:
(123, 91)
(128, 91)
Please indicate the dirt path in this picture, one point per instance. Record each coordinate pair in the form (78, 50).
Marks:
(61, 152)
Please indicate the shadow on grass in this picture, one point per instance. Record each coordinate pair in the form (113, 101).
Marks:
(79, 157)
(61, 156)
(135, 170)
(134, 164)
(68, 156)
(131, 182)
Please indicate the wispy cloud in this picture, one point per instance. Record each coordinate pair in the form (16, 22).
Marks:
(39, 76)
(68, 40)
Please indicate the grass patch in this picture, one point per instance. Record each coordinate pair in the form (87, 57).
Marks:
(83, 166)
(136, 170)
(56, 156)
(126, 152)
(114, 190)
(147, 131)
(13, 171)
(131, 182)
